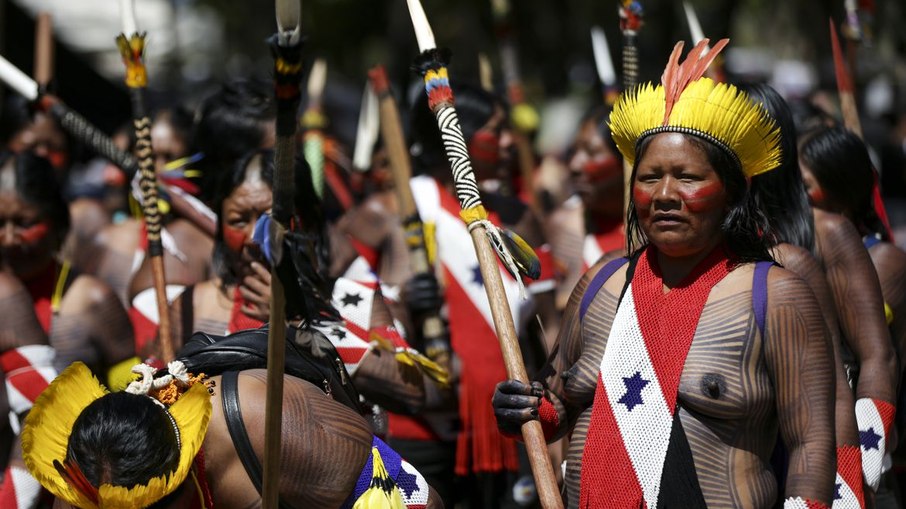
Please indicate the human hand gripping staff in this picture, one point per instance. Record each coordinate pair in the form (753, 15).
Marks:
(515, 254)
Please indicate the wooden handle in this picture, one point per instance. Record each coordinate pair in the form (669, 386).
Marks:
(535, 445)
(165, 334)
(526, 167)
(273, 417)
(44, 54)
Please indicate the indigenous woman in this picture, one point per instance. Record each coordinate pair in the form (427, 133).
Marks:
(840, 179)
(239, 297)
(780, 195)
(165, 443)
(676, 371)
(590, 223)
(80, 314)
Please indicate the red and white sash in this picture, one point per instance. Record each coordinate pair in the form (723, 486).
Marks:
(480, 445)
(354, 301)
(638, 383)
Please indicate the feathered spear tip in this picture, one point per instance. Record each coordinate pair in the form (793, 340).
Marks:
(132, 49)
(677, 76)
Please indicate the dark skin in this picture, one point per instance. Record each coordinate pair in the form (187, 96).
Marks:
(739, 387)
(379, 377)
(888, 260)
(91, 324)
(325, 442)
(596, 174)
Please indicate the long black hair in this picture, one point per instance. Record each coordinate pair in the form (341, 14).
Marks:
(744, 223)
(780, 193)
(840, 163)
(123, 439)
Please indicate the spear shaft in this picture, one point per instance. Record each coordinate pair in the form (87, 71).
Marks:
(431, 64)
(286, 46)
(433, 331)
(132, 47)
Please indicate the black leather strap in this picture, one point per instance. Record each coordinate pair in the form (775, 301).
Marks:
(232, 414)
(229, 396)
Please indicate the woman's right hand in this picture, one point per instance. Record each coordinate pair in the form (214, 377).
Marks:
(516, 403)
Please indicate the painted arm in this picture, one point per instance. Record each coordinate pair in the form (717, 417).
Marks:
(799, 359)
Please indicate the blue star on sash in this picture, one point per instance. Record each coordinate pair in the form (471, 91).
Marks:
(477, 278)
(869, 439)
(837, 495)
(407, 482)
(633, 395)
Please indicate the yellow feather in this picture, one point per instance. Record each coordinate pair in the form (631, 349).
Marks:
(383, 492)
(717, 109)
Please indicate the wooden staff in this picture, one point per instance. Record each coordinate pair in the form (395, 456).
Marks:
(286, 46)
(850, 112)
(524, 116)
(86, 133)
(431, 64)
(44, 51)
(630, 23)
(131, 44)
(437, 343)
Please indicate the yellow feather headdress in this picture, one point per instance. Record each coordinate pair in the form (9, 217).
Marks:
(688, 103)
(45, 438)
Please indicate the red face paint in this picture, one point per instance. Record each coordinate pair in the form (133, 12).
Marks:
(234, 238)
(704, 198)
(599, 170)
(58, 159)
(816, 196)
(485, 147)
(642, 198)
(34, 233)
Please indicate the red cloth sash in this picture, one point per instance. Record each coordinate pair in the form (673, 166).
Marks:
(41, 289)
(618, 470)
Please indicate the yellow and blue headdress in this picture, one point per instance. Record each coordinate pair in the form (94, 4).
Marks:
(45, 438)
(686, 102)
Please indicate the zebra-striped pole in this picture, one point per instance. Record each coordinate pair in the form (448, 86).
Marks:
(431, 64)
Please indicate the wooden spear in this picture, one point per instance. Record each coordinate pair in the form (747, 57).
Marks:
(630, 22)
(436, 341)
(44, 54)
(850, 112)
(286, 46)
(131, 44)
(524, 116)
(431, 64)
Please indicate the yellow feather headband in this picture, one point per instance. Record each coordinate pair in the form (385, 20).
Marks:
(687, 103)
(45, 438)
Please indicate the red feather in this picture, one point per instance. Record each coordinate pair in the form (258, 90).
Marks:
(677, 76)
(844, 83)
(75, 478)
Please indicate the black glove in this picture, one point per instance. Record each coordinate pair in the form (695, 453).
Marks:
(516, 403)
(421, 293)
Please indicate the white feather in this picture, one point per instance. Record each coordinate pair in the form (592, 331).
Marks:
(603, 62)
(367, 131)
(695, 28)
(423, 33)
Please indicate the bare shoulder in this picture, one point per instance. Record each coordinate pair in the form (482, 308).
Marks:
(889, 259)
(832, 228)
(118, 235)
(86, 292)
(780, 283)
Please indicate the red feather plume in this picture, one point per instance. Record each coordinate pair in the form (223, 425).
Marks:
(677, 76)
(75, 478)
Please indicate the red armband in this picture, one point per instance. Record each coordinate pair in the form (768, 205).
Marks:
(370, 254)
(848, 487)
(549, 417)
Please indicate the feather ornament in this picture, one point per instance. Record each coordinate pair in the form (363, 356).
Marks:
(686, 102)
